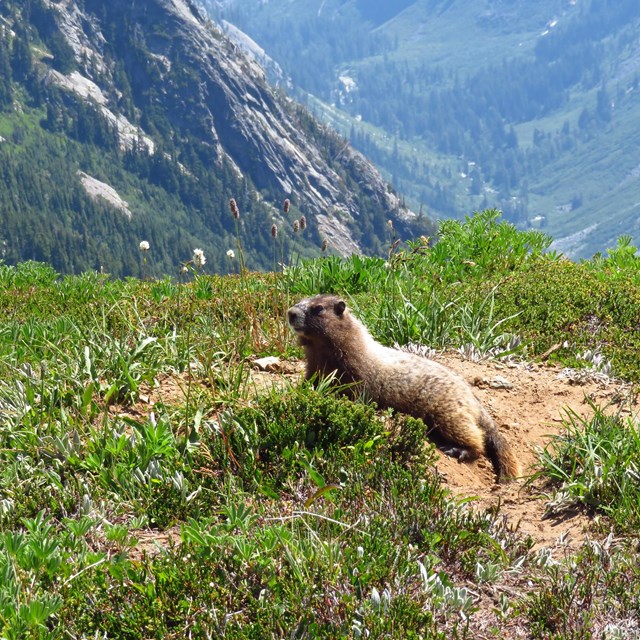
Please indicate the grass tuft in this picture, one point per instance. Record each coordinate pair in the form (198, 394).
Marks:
(595, 463)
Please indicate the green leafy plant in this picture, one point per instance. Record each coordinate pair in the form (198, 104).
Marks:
(594, 463)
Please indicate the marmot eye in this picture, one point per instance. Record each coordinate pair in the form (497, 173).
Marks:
(316, 310)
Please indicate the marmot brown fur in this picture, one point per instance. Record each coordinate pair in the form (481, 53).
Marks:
(336, 341)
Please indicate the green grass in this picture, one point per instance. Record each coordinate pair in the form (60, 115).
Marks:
(296, 512)
(595, 463)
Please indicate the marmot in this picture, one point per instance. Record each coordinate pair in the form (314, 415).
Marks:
(336, 341)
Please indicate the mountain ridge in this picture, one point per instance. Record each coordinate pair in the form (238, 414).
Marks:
(155, 102)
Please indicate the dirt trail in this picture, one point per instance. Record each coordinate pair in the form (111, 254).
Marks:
(528, 402)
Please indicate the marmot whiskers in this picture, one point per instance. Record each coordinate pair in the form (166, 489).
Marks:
(336, 341)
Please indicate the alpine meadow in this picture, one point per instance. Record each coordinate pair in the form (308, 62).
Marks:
(166, 469)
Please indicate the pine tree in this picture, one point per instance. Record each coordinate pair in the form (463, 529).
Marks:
(6, 92)
(21, 62)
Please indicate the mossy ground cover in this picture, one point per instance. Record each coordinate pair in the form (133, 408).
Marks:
(297, 513)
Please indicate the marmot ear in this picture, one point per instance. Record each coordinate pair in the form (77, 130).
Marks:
(339, 307)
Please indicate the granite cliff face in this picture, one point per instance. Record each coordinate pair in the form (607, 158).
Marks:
(182, 70)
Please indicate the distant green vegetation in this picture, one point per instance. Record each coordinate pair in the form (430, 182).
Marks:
(178, 196)
(176, 201)
(227, 509)
(528, 109)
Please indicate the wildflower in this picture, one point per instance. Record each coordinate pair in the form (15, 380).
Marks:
(296, 226)
(231, 254)
(144, 247)
(198, 258)
(303, 223)
(184, 269)
(274, 231)
(390, 224)
(233, 205)
(285, 205)
(325, 245)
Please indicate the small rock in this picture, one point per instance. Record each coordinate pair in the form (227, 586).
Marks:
(270, 363)
(500, 383)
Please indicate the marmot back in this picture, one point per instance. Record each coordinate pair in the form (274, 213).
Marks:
(336, 341)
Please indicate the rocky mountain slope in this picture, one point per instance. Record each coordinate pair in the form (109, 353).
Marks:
(153, 102)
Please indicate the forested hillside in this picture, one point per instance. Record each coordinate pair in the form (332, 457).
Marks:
(496, 104)
(167, 122)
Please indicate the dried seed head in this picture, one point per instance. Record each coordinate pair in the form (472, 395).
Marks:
(325, 244)
(296, 226)
(285, 205)
(303, 223)
(233, 205)
(274, 231)
(199, 259)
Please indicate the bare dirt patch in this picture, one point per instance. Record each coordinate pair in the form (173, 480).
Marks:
(528, 403)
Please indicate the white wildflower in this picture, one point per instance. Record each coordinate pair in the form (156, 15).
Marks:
(198, 258)
(144, 246)
(231, 254)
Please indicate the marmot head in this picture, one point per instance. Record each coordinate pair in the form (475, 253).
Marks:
(316, 317)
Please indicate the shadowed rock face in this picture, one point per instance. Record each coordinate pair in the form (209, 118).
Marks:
(179, 61)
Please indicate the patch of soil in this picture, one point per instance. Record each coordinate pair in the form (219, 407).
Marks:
(151, 543)
(528, 403)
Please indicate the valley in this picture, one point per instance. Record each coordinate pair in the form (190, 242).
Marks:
(528, 109)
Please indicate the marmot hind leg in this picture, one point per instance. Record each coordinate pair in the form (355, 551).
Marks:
(464, 442)
(462, 454)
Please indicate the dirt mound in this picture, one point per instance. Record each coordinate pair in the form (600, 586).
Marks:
(528, 403)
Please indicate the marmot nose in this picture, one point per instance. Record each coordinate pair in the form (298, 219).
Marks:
(292, 314)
